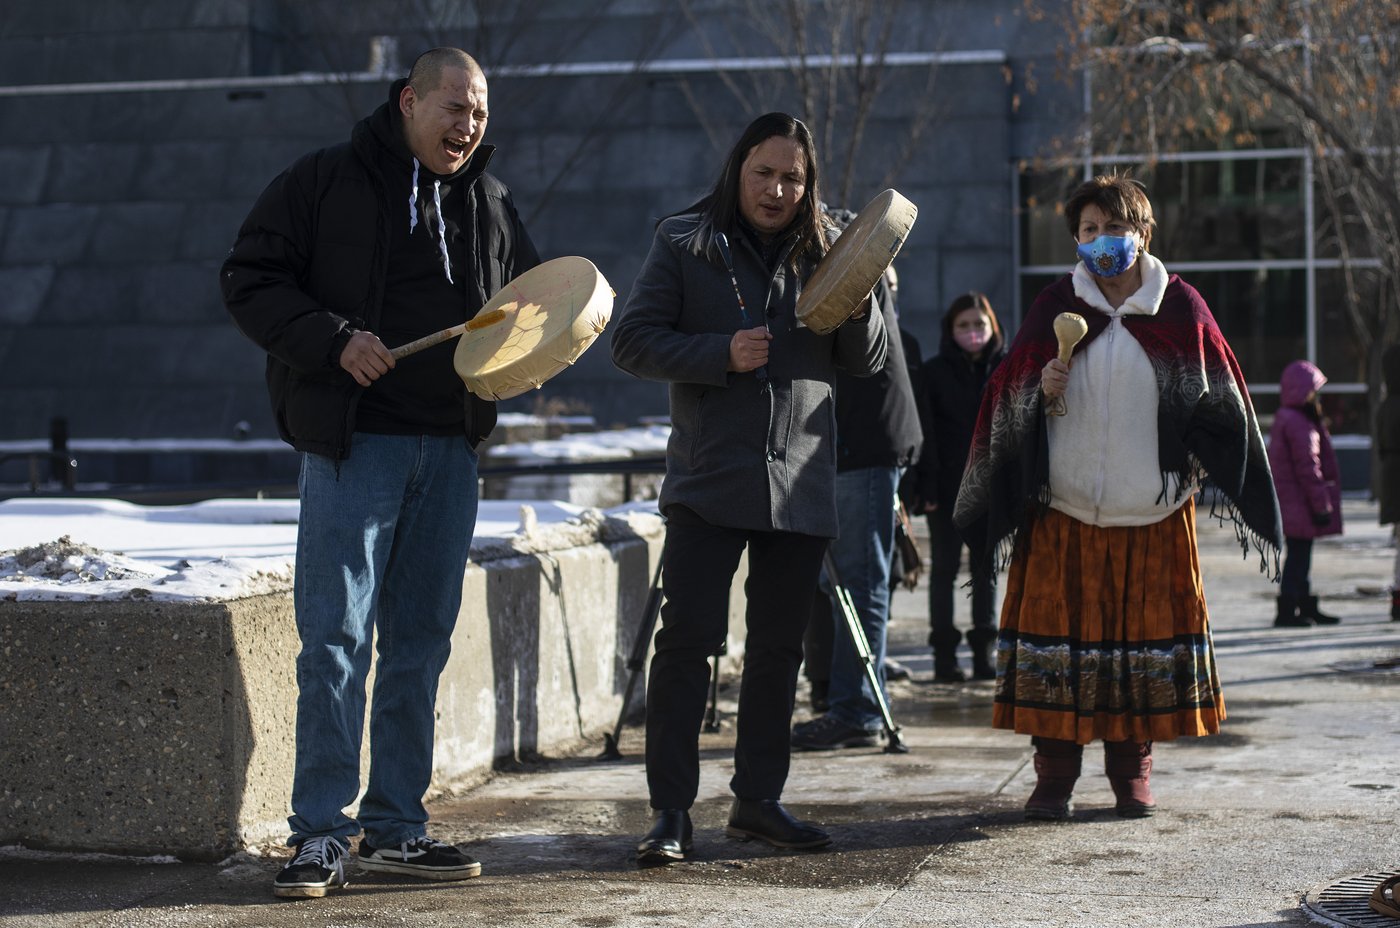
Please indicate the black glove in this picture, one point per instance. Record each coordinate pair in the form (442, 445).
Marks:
(1322, 519)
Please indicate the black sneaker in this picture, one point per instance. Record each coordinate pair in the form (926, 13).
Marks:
(318, 865)
(827, 733)
(423, 857)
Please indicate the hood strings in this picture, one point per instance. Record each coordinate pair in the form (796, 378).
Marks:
(442, 224)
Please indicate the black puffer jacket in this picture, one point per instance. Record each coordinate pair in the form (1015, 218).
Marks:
(951, 393)
(877, 421)
(308, 268)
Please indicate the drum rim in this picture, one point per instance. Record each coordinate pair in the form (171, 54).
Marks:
(896, 207)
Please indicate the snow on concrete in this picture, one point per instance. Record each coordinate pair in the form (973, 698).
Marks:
(92, 549)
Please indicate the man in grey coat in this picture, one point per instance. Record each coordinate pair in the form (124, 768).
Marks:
(751, 464)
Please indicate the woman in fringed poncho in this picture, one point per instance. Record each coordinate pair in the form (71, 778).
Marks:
(1104, 632)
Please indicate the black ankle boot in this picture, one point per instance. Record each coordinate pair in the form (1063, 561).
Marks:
(767, 820)
(1307, 609)
(945, 668)
(1288, 614)
(984, 654)
(669, 840)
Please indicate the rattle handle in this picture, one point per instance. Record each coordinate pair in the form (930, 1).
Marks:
(437, 338)
(1069, 329)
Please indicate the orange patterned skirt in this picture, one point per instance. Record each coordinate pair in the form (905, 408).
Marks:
(1104, 634)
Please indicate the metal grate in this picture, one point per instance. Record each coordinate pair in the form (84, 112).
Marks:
(1347, 902)
(1386, 667)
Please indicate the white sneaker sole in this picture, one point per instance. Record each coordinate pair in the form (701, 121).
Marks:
(305, 890)
(409, 868)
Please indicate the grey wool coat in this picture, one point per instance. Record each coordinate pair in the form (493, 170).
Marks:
(741, 455)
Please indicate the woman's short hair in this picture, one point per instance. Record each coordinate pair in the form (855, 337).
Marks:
(719, 210)
(973, 299)
(1120, 196)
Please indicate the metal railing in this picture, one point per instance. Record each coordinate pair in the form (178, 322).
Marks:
(62, 467)
(172, 494)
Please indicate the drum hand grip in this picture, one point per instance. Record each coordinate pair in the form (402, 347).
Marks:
(437, 338)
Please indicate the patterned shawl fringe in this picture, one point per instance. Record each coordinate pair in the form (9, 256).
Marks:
(1222, 509)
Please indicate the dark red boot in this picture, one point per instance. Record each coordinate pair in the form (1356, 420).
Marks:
(1057, 766)
(1129, 768)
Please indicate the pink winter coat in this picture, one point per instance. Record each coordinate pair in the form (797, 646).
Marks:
(1302, 459)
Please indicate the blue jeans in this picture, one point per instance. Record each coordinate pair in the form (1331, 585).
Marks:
(865, 505)
(382, 544)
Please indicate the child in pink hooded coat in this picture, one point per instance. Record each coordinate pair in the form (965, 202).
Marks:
(1309, 494)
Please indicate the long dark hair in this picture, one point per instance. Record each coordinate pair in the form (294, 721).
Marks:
(719, 209)
(961, 304)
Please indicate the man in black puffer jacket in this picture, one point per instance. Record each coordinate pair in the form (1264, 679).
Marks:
(372, 243)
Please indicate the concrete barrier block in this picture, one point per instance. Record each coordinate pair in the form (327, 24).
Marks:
(146, 727)
(137, 726)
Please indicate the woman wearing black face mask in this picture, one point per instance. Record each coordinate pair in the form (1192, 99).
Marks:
(1104, 632)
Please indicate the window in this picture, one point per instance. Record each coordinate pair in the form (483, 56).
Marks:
(1262, 315)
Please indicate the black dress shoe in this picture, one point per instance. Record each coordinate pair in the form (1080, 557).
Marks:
(767, 820)
(669, 839)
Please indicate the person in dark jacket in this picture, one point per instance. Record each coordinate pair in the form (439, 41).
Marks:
(1309, 492)
(951, 382)
(877, 436)
(372, 243)
(1388, 448)
(751, 464)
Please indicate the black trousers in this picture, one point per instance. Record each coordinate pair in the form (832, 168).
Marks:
(1297, 564)
(945, 548)
(700, 562)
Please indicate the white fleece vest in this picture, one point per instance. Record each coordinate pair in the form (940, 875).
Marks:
(1103, 452)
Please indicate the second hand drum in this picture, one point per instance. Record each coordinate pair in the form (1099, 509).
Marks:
(853, 266)
(533, 328)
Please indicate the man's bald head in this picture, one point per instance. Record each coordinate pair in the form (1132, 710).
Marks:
(426, 75)
(444, 110)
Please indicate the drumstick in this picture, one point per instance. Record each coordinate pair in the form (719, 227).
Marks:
(723, 242)
(1069, 329)
(428, 341)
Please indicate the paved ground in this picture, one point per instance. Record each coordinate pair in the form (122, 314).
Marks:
(1301, 789)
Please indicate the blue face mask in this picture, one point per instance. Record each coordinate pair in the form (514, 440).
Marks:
(1109, 255)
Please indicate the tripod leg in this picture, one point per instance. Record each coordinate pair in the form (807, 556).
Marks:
(712, 713)
(862, 648)
(637, 661)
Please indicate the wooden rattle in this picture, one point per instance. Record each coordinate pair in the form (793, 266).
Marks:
(1069, 329)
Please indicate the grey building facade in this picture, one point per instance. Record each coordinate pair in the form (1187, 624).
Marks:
(134, 137)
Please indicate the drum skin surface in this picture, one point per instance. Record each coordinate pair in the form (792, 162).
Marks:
(855, 262)
(553, 312)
